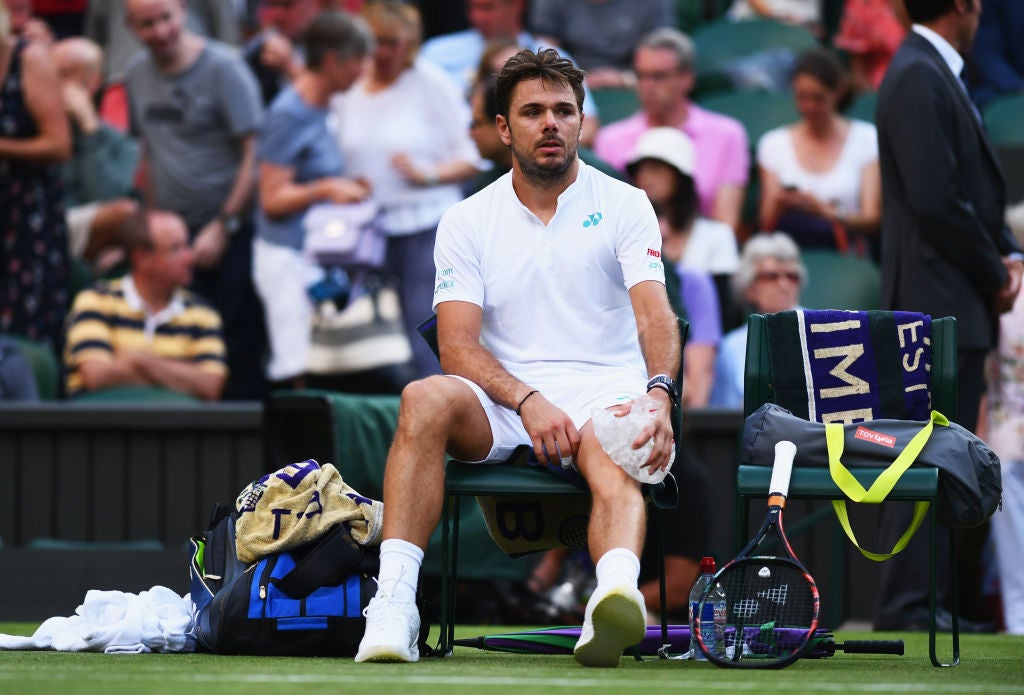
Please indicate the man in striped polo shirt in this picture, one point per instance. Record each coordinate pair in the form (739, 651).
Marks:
(146, 329)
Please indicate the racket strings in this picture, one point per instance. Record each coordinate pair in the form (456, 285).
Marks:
(771, 605)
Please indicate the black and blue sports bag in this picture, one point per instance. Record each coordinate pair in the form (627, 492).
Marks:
(305, 602)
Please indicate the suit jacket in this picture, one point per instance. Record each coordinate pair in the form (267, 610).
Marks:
(943, 235)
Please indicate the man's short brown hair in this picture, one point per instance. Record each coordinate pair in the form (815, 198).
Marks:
(544, 65)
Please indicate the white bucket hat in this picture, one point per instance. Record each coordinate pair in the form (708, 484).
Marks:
(669, 145)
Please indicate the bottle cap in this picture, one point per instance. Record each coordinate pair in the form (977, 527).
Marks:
(707, 565)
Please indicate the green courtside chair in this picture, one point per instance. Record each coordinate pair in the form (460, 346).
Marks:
(515, 479)
(916, 484)
(840, 281)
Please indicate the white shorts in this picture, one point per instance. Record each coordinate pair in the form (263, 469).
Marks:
(507, 431)
(282, 277)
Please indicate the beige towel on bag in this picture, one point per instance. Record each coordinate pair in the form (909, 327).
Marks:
(297, 505)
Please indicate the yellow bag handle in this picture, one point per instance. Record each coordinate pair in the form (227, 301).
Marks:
(883, 485)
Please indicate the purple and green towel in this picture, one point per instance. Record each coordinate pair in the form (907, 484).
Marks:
(853, 366)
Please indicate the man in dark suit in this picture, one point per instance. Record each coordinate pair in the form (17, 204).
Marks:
(945, 248)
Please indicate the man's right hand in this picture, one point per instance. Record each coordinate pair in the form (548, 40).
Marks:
(554, 436)
(1008, 294)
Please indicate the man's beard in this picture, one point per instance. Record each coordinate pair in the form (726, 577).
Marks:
(547, 174)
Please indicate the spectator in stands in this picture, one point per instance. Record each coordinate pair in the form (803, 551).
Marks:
(99, 178)
(300, 166)
(196, 108)
(998, 53)
(1002, 426)
(869, 33)
(664, 66)
(25, 24)
(600, 33)
(145, 329)
(460, 52)
(820, 181)
(662, 165)
(274, 54)
(418, 156)
(34, 139)
(768, 280)
(106, 23)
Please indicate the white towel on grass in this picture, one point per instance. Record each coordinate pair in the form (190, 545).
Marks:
(158, 620)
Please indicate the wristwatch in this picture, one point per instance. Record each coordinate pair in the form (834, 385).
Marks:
(664, 381)
(232, 223)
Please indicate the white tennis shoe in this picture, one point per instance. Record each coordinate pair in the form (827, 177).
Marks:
(615, 619)
(392, 630)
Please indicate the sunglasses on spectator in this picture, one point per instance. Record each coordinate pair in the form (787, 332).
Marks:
(775, 276)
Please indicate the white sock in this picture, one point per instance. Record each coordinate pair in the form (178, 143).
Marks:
(399, 569)
(618, 566)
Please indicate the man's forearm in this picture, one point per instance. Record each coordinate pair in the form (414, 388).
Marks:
(178, 375)
(474, 362)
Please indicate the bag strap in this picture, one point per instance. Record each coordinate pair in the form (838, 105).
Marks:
(335, 556)
(883, 485)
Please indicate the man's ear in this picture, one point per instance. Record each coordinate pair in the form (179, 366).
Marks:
(503, 130)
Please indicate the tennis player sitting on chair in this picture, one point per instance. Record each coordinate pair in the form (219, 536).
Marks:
(550, 302)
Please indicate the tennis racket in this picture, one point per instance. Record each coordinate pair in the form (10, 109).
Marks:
(771, 601)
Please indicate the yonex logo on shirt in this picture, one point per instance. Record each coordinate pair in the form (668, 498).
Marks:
(593, 220)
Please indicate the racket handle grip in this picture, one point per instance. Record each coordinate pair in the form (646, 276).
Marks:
(894, 646)
(785, 452)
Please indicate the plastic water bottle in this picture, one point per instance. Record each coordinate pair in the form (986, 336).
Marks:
(714, 615)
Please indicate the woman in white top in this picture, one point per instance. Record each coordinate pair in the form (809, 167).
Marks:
(405, 128)
(820, 180)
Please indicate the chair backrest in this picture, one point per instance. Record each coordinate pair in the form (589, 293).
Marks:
(45, 368)
(722, 40)
(759, 112)
(863, 107)
(839, 281)
(757, 376)
(1003, 121)
(616, 103)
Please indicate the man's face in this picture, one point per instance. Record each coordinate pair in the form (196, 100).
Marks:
(290, 17)
(158, 26)
(169, 262)
(661, 84)
(484, 131)
(495, 18)
(969, 25)
(543, 129)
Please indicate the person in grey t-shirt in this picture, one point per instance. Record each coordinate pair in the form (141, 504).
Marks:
(196, 109)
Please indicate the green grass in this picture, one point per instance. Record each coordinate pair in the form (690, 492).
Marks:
(990, 664)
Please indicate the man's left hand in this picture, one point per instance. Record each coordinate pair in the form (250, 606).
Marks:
(660, 431)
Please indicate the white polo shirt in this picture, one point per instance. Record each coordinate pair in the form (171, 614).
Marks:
(556, 308)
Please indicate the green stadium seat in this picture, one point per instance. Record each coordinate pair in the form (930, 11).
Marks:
(127, 394)
(863, 107)
(722, 41)
(758, 111)
(45, 367)
(840, 281)
(616, 103)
